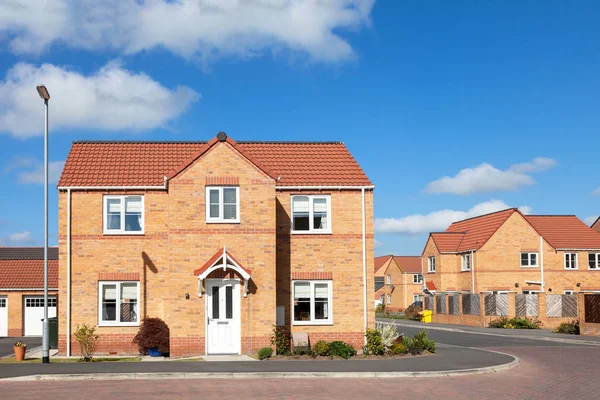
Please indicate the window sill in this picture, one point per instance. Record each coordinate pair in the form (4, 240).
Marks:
(431, 272)
(530, 266)
(310, 233)
(571, 269)
(311, 323)
(465, 270)
(224, 222)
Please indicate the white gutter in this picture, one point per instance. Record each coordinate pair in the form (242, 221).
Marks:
(112, 187)
(324, 187)
(68, 272)
(364, 249)
(577, 249)
(472, 272)
(542, 262)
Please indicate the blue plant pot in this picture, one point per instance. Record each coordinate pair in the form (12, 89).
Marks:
(153, 352)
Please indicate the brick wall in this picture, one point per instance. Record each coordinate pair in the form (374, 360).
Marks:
(15, 309)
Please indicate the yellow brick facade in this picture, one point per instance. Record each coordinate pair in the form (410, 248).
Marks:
(177, 240)
(497, 264)
(398, 294)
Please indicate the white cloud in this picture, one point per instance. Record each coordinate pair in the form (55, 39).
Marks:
(30, 170)
(189, 28)
(19, 238)
(438, 220)
(110, 99)
(487, 178)
(590, 220)
(378, 244)
(597, 191)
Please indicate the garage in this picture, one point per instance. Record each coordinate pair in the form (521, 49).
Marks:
(33, 314)
(3, 316)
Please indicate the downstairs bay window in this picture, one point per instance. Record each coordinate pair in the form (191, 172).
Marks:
(311, 302)
(118, 303)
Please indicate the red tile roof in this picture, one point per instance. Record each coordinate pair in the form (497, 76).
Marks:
(430, 285)
(478, 230)
(447, 242)
(147, 163)
(211, 261)
(409, 264)
(565, 232)
(27, 272)
(380, 262)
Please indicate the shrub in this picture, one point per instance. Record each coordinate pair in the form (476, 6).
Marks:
(380, 309)
(398, 348)
(280, 338)
(374, 343)
(153, 333)
(265, 352)
(571, 328)
(341, 349)
(419, 343)
(412, 312)
(516, 323)
(321, 348)
(88, 340)
(389, 334)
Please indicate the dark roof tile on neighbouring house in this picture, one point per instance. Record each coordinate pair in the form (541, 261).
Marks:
(23, 267)
(118, 163)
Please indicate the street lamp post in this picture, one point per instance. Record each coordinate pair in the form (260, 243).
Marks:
(43, 92)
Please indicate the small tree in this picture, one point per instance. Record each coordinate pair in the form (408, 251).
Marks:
(88, 340)
(280, 338)
(153, 333)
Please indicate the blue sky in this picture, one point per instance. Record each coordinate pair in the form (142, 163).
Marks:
(452, 108)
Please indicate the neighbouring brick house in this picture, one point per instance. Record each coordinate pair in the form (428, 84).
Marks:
(221, 239)
(22, 289)
(509, 251)
(403, 281)
(381, 264)
(596, 225)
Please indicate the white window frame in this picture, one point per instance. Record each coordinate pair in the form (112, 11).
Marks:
(417, 278)
(311, 230)
(570, 261)
(467, 267)
(417, 297)
(118, 308)
(388, 279)
(220, 219)
(597, 267)
(389, 299)
(528, 292)
(313, 321)
(529, 265)
(122, 230)
(431, 264)
(569, 292)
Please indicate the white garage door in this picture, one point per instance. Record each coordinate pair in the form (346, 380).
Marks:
(34, 313)
(3, 316)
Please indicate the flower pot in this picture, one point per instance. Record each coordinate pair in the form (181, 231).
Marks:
(153, 352)
(20, 352)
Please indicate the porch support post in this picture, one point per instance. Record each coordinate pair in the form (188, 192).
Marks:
(245, 287)
(199, 287)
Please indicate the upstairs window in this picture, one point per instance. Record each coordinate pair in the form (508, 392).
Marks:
(570, 260)
(389, 279)
(529, 260)
(466, 262)
(417, 278)
(123, 214)
(431, 264)
(311, 214)
(222, 204)
(379, 282)
(594, 260)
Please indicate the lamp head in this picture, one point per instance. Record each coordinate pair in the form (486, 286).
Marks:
(43, 92)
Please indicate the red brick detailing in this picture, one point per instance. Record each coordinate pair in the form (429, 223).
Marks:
(15, 332)
(222, 180)
(312, 275)
(251, 344)
(187, 346)
(356, 339)
(119, 276)
(107, 344)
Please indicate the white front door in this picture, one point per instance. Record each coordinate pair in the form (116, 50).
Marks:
(3, 316)
(223, 316)
(34, 314)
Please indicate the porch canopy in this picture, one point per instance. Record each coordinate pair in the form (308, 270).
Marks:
(223, 260)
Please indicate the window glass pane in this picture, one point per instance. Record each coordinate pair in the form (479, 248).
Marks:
(301, 222)
(129, 302)
(320, 214)
(113, 214)
(229, 196)
(214, 196)
(229, 302)
(533, 259)
(592, 260)
(214, 211)
(321, 301)
(215, 302)
(213, 203)
(524, 259)
(229, 211)
(133, 214)
(109, 302)
(300, 214)
(300, 204)
(301, 301)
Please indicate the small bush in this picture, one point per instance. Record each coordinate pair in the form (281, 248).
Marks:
(412, 312)
(419, 343)
(265, 352)
(153, 333)
(380, 309)
(374, 343)
(280, 338)
(389, 334)
(341, 349)
(398, 348)
(321, 348)
(516, 323)
(570, 328)
(88, 340)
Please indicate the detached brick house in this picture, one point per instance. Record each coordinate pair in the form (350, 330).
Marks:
(509, 251)
(22, 289)
(220, 239)
(403, 281)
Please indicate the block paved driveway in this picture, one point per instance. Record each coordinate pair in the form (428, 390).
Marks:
(548, 371)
